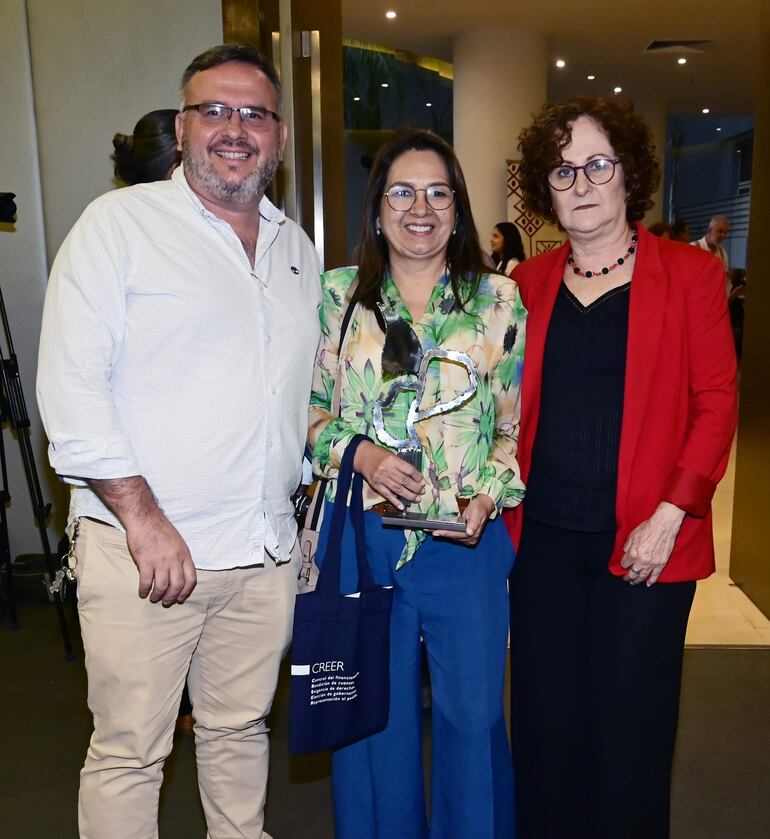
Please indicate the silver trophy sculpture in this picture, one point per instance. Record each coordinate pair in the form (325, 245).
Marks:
(401, 343)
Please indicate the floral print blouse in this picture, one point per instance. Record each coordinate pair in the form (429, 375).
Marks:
(468, 451)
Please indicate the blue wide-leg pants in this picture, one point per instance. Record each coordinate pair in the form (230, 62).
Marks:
(456, 599)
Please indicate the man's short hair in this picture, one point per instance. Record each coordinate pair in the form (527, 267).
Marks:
(224, 54)
(718, 220)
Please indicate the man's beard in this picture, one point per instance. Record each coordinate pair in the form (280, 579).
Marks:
(251, 188)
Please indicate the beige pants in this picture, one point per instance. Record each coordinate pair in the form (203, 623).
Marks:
(231, 633)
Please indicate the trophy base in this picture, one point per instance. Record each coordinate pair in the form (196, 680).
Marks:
(421, 521)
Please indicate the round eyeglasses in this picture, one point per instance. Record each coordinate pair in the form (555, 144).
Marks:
(401, 197)
(252, 116)
(598, 171)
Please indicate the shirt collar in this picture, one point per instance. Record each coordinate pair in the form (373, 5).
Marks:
(392, 297)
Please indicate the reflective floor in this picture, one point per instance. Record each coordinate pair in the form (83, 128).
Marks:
(721, 613)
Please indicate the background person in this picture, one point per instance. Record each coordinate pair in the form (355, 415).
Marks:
(628, 411)
(507, 247)
(680, 232)
(717, 231)
(174, 392)
(661, 229)
(419, 255)
(151, 152)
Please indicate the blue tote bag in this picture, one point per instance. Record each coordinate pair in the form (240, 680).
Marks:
(340, 663)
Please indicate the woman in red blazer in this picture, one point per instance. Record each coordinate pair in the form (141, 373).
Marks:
(628, 412)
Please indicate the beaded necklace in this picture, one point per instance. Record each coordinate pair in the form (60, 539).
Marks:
(588, 274)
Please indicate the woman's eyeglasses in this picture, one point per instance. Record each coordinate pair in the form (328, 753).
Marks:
(598, 171)
(401, 197)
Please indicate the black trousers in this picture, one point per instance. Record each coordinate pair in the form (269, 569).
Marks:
(596, 669)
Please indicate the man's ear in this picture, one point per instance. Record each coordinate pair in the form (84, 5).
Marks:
(179, 126)
(284, 133)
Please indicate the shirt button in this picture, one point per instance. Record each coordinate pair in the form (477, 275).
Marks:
(270, 444)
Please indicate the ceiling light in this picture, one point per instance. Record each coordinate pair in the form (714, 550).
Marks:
(356, 98)
(391, 15)
(560, 62)
(719, 129)
(706, 111)
(429, 104)
(384, 84)
(590, 78)
(617, 89)
(681, 61)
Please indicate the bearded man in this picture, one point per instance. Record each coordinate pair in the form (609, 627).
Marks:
(176, 356)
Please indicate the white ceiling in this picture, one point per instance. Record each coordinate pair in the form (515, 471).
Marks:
(595, 36)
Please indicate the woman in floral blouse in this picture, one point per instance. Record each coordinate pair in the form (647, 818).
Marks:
(420, 268)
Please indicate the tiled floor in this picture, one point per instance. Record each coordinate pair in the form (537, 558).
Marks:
(721, 613)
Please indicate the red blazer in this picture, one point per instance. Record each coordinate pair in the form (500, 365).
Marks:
(679, 409)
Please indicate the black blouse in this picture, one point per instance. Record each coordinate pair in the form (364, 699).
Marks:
(573, 478)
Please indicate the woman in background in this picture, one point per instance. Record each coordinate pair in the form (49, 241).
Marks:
(150, 153)
(507, 247)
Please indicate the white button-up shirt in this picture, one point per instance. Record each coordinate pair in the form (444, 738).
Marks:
(164, 354)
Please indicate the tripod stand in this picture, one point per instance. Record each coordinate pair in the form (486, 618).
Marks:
(13, 410)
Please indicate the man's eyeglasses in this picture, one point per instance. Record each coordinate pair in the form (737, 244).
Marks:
(401, 197)
(599, 171)
(252, 116)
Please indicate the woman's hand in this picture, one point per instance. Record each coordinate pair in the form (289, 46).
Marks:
(476, 516)
(388, 475)
(649, 545)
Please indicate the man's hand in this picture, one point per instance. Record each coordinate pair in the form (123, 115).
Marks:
(649, 545)
(388, 475)
(166, 570)
(476, 516)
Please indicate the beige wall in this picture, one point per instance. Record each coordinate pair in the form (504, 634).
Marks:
(750, 555)
(97, 67)
(22, 258)
(654, 113)
(74, 72)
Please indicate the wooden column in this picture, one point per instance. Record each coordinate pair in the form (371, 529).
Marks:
(750, 554)
(256, 21)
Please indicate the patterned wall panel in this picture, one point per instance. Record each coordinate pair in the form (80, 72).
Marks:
(537, 234)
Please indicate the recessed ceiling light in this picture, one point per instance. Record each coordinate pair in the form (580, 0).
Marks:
(560, 62)
(681, 61)
(591, 78)
(391, 15)
(356, 98)
(429, 104)
(384, 84)
(706, 111)
(617, 89)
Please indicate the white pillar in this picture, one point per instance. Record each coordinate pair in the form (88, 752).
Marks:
(500, 79)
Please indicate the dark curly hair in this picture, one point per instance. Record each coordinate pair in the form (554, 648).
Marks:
(463, 252)
(541, 146)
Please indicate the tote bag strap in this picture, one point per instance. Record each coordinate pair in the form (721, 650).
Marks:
(365, 579)
(346, 318)
(329, 579)
(313, 519)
